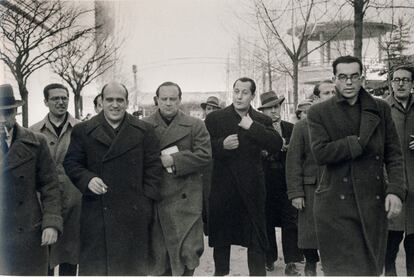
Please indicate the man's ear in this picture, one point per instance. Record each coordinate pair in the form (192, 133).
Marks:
(46, 103)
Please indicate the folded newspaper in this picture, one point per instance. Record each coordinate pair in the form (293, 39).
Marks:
(169, 151)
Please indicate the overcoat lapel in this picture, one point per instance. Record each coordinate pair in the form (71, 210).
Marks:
(125, 140)
(369, 116)
(177, 129)
(19, 153)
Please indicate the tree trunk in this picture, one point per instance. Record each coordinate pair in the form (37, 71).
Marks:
(25, 109)
(295, 83)
(77, 104)
(358, 27)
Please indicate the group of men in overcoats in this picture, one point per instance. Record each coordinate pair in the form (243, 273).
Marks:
(140, 181)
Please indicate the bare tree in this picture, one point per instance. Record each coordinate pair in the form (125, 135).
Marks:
(80, 63)
(303, 23)
(28, 30)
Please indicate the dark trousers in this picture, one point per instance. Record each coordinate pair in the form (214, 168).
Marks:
(393, 245)
(65, 269)
(255, 260)
(311, 255)
(291, 252)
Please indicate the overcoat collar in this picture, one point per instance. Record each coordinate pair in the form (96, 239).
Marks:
(122, 143)
(19, 152)
(370, 117)
(45, 123)
(394, 103)
(169, 134)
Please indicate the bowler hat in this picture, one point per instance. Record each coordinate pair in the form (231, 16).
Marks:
(7, 100)
(269, 99)
(211, 101)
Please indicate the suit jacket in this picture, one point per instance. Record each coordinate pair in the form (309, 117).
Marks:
(27, 169)
(178, 242)
(115, 226)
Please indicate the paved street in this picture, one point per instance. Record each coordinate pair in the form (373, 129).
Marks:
(238, 261)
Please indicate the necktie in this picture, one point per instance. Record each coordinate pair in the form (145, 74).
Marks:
(3, 142)
(277, 127)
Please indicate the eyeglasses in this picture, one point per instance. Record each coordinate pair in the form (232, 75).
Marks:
(403, 80)
(354, 77)
(59, 98)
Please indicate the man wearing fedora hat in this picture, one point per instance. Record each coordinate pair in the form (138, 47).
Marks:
(211, 105)
(279, 211)
(237, 197)
(27, 226)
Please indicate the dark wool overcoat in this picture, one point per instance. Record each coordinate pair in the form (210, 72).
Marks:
(350, 217)
(27, 169)
(301, 178)
(115, 226)
(238, 194)
(275, 179)
(66, 249)
(178, 243)
(404, 121)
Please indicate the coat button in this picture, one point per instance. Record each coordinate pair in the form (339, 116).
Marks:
(183, 196)
(378, 177)
(377, 157)
(105, 208)
(21, 177)
(342, 196)
(378, 197)
(20, 202)
(345, 179)
(20, 229)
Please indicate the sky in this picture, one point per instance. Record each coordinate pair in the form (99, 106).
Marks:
(184, 41)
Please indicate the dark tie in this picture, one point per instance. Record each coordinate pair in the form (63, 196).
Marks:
(3, 142)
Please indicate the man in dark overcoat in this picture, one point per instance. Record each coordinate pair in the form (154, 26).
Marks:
(27, 225)
(401, 101)
(212, 104)
(279, 211)
(185, 151)
(354, 137)
(238, 194)
(57, 127)
(114, 160)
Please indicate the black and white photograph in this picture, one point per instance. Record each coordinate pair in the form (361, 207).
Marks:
(206, 138)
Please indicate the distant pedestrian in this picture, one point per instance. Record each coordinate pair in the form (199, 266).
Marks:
(238, 193)
(185, 151)
(353, 136)
(57, 127)
(97, 103)
(212, 104)
(279, 211)
(402, 111)
(114, 160)
(28, 224)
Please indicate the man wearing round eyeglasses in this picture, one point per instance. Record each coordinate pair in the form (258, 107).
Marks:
(402, 110)
(353, 138)
(57, 128)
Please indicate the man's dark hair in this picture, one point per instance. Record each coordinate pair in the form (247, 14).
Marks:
(95, 100)
(246, 79)
(346, 59)
(406, 67)
(166, 84)
(316, 90)
(104, 87)
(53, 86)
